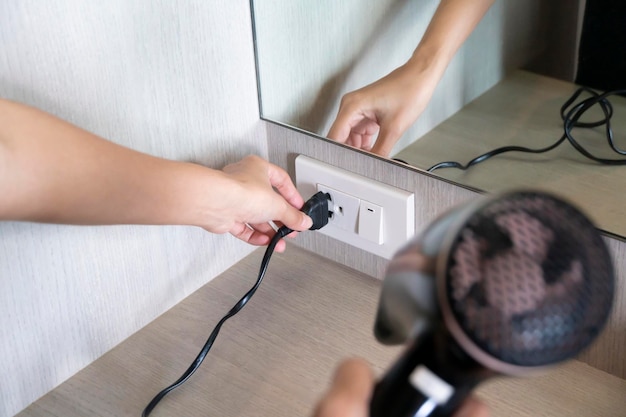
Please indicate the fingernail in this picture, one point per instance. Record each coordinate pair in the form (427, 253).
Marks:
(308, 222)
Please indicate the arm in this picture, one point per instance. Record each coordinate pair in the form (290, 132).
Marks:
(52, 171)
(390, 105)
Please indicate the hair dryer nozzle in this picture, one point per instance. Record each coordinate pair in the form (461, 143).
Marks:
(525, 281)
(508, 284)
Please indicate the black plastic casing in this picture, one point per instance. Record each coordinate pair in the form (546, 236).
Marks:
(316, 208)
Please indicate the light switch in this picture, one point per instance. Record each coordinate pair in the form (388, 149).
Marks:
(381, 231)
(371, 222)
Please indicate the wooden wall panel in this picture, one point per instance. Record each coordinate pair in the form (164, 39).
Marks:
(432, 197)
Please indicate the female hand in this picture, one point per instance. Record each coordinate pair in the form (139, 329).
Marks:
(260, 192)
(392, 104)
(55, 172)
(388, 107)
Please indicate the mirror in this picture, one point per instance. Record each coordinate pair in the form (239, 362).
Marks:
(309, 54)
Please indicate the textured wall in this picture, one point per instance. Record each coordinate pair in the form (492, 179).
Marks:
(170, 78)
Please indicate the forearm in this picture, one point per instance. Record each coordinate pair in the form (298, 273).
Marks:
(450, 26)
(52, 171)
(390, 105)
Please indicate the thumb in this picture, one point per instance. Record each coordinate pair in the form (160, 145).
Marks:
(295, 219)
(350, 391)
(346, 119)
(355, 379)
(473, 407)
(339, 131)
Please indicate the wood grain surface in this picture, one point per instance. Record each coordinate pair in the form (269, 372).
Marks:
(524, 110)
(277, 356)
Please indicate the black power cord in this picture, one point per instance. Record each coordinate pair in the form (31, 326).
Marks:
(317, 207)
(571, 120)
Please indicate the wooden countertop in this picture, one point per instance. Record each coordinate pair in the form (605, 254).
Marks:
(276, 356)
(523, 110)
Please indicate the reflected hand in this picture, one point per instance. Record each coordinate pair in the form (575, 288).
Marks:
(352, 387)
(388, 107)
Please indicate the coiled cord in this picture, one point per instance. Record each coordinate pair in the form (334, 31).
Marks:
(571, 119)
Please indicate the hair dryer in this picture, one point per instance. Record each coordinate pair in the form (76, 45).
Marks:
(506, 285)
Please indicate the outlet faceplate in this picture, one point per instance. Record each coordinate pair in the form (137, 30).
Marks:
(345, 209)
(368, 214)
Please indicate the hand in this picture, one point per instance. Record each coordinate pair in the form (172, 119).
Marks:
(252, 201)
(387, 107)
(52, 171)
(350, 392)
(352, 387)
(393, 103)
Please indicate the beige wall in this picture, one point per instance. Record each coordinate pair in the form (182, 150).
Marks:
(174, 79)
(171, 78)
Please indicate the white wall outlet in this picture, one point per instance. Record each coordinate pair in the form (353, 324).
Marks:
(368, 214)
(345, 209)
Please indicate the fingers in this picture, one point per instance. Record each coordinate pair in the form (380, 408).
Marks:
(386, 140)
(354, 127)
(353, 111)
(265, 193)
(472, 408)
(363, 134)
(354, 140)
(341, 127)
(295, 219)
(350, 392)
(280, 180)
(248, 234)
(354, 378)
(291, 217)
(257, 235)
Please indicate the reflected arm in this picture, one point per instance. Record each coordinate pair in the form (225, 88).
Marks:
(450, 26)
(392, 104)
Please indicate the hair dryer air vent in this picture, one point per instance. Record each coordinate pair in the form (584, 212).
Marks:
(528, 282)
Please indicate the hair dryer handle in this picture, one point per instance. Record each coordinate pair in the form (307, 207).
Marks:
(425, 381)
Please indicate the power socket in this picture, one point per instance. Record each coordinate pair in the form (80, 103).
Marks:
(367, 214)
(345, 209)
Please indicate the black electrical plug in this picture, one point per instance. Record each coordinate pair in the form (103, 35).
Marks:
(317, 208)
